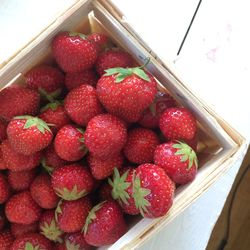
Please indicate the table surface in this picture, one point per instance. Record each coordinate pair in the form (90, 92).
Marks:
(214, 62)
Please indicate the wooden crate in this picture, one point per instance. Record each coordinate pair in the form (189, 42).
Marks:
(220, 144)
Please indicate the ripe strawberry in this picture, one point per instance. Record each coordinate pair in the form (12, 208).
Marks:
(3, 134)
(6, 240)
(178, 124)
(4, 189)
(105, 136)
(2, 163)
(54, 113)
(32, 241)
(104, 224)
(141, 145)
(51, 159)
(71, 215)
(16, 100)
(20, 181)
(101, 169)
(74, 52)
(74, 80)
(18, 230)
(22, 209)
(151, 115)
(18, 162)
(101, 41)
(48, 226)
(104, 192)
(126, 92)
(82, 104)
(28, 135)
(178, 160)
(112, 59)
(46, 79)
(42, 192)
(76, 241)
(2, 219)
(69, 143)
(72, 182)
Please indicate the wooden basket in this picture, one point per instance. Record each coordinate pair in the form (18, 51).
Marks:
(220, 144)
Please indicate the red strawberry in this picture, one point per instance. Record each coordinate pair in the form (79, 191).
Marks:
(54, 113)
(105, 136)
(151, 115)
(69, 143)
(18, 100)
(3, 134)
(46, 79)
(18, 162)
(42, 192)
(28, 135)
(4, 189)
(32, 241)
(101, 169)
(22, 209)
(20, 181)
(2, 219)
(141, 145)
(178, 160)
(178, 124)
(74, 80)
(82, 104)
(126, 92)
(18, 230)
(6, 240)
(76, 241)
(49, 227)
(104, 224)
(51, 159)
(74, 52)
(71, 215)
(101, 41)
(72, 182)
(104, 192)
(2, 163)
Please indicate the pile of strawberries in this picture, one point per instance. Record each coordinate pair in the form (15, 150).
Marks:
(84, 142)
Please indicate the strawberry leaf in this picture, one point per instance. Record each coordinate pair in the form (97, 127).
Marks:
(51, 231)
(53, 106)
(58, 209)
(47, 168)
(141, 73)
(70, 195)
(78, 34)
(72, 246)
(29, 246)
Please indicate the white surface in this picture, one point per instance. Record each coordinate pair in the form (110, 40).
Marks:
(214, 62)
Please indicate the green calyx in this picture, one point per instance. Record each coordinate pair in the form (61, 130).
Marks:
(186, 153)
(78, 34)
(32, 121)
(53, 106)
(91, 216)
(72, 246)
(29, 246)
(52, 231)
(70, 195)
(58, 210)
(122, 73)
(46, 167)
(49, 96)
(139, 194)
(119, 186)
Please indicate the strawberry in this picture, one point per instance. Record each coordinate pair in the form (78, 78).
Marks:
(6, 240)
(112, 59)
(74, 80)
(100, 169)
(18, 230)
(71, 215)
(18, 162)
(31, 241)
(20, 181)
(76, 241)
(42, 192)
(48, 226)
(141, 145)
(151, 115)
(178, 160)
(2, 163)
(101, 41)
(105, 224)
(22, 209)
(69, 143)
(104, 192)
(178, 124)
(82, 104)
(2, 220)
(4, 189)
(74, 52)
(126, 92)
(3, 134)
(105, 136)
(46, 79)
(72, 182)
(28, 135)
(51, 159)
(54, 113)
